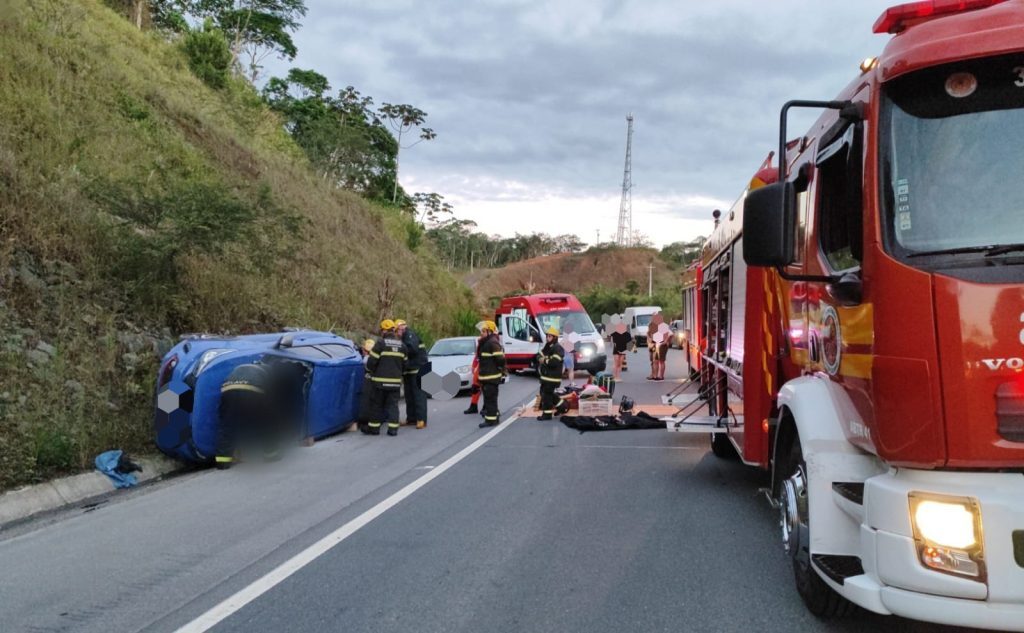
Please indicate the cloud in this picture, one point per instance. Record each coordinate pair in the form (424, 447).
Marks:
(529, 98)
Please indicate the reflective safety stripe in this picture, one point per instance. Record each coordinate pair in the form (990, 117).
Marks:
(555, 356)
(491, 377)
(412, 371)
(223, 459)
(375, 354)
(240, 387)
(548, 411)
(388, 380)
(398, 354)
(490, 354)
(373, 425)
(393, 425)
(551, 379)
(490, 418)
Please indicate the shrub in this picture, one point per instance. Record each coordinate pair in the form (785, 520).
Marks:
(209, 55)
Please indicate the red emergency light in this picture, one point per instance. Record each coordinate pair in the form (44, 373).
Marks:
(895, 19)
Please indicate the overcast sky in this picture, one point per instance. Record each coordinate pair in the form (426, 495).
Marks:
(529, 98)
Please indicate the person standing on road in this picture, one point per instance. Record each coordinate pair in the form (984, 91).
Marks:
(415, 366)
(569, 347)
(621, 339)
(386, 366)
(491, 359)
(549, 362)
(474, 398)
(366, 395)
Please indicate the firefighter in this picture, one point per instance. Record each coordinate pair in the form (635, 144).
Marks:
(549, 364)
(366, 394)
(386, 366)
(415, 366)
(247, 412)
(491, 359)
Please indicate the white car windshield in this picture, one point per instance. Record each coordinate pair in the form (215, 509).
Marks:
(453, 347)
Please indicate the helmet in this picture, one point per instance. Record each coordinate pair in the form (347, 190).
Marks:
(487, 326)
(553, 331)
(400, 322)
(368, 344)
(387, 324)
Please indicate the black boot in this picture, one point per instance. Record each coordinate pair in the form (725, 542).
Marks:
(472, 409)
(392, 431)
(372, 430)
(485, 424)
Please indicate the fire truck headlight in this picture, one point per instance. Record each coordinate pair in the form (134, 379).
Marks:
(948, 533)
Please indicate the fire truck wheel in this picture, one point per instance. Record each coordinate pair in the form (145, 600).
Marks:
(722, 447)
(820, 599)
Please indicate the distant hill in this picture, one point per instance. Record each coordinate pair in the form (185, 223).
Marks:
(574, 273)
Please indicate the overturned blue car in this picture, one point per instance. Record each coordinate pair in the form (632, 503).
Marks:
(326, 371)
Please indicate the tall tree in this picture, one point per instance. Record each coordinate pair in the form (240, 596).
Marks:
(255, 28)
(403, 119)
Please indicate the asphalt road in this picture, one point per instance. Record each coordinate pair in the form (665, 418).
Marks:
(539, 529)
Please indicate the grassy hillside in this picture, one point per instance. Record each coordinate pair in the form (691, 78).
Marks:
(593, 271)
(137, 204)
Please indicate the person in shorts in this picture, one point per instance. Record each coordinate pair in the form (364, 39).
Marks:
(621, 339)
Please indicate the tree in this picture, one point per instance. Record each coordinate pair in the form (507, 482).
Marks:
(404, 118)
(682, 253)
(640, 240)
(431, 207)
(255, 28)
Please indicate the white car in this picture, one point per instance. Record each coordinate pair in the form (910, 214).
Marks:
(454, 354)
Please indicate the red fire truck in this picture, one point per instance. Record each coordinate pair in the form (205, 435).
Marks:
(862, 326)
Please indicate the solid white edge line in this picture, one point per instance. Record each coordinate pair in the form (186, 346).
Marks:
(257, 588)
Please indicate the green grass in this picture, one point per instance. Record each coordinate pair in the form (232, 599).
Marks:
(136, 199)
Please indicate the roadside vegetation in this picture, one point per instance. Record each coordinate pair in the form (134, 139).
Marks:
(147, 189)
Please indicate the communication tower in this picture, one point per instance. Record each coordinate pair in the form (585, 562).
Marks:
(624, 236)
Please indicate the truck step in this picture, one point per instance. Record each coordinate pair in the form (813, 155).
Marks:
(702, 424)
(849, 496)
(852, 490)
(838, 567)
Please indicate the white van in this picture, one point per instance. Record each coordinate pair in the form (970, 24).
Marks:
(637, 318)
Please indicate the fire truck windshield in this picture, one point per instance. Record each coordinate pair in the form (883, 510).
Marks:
(950, 151)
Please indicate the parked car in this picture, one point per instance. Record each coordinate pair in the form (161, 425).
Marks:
(454, 354)
(325, 373)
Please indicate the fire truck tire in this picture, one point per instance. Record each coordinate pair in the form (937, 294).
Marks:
(819, 598)
(722, 447)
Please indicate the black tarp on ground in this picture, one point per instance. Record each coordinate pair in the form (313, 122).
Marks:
(625, 422)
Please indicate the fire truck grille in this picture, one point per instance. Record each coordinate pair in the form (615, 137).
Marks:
(1010, 411)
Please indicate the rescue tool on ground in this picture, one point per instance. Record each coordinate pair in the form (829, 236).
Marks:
(859, 315)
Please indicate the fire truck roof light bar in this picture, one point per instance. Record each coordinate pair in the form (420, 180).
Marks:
(894, 19)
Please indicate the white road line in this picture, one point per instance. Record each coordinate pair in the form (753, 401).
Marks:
(262, 585)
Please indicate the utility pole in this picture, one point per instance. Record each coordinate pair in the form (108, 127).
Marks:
(624, 235)
(650, 280)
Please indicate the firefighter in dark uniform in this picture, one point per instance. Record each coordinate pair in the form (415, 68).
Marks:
(386, 366)
(549, 363)
(491, 357)
(247, 411)
(415, 367)
(366, 393)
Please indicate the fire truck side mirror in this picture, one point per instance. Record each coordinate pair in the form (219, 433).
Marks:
(769, 222)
